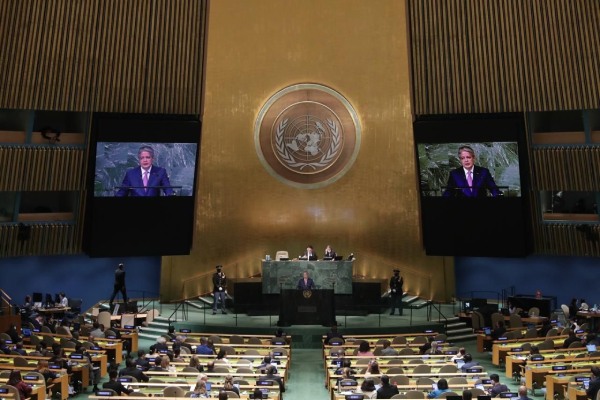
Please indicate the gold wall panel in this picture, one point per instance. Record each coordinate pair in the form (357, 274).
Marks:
(44, 238)
(356, 47)
(504, 55)
(102, 55)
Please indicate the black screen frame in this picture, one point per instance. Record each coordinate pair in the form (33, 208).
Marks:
(475, 227)
(140, 226)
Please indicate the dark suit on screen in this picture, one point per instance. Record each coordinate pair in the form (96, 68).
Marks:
(309, 284)
(483, 183)
(134, 186)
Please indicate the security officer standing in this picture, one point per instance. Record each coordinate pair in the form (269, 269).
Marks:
(219, 289)
(396, 292)
(119, 286)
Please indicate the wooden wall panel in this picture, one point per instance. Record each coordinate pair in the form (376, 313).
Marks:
(42, 168)
(504, 55)
(102, 55)
(566, 168)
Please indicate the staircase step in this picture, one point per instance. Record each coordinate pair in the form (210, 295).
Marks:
(200, 305)
(420, 304)
(410, 299)
(461, 338)
(460, 331)
(455, 325)
(451, 320)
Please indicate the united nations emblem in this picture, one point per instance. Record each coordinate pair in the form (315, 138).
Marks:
(307, 135)
(307, 294)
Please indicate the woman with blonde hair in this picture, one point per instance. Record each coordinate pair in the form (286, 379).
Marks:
(200, 388)
(228, 385)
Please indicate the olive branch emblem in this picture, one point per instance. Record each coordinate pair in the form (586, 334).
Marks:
(328, 157)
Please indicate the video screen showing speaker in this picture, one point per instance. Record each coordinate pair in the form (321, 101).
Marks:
(141, 184)
(471, 175)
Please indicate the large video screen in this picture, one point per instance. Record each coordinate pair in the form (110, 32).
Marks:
(471, 179)
(494, 166)
(121, 166)
(141, 185)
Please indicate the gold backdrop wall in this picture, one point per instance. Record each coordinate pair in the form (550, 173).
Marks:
(358, 48)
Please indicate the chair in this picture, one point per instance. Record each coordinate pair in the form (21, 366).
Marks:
(190, 369)
(68, 345)
(110, 332)
(398, 396)
(415, 394)
(45, 329)
(252, 352)
(104, 318)
(220, 369)
(20, 362)
(552, 332)
(406, 351)
(110, 392)
(415, 361)
(534, 312)
(440, 337)
(254, 340)
(244, 370)
(399, 379)
(5, 373)
(34, 340)
(399, 340)
(446, 394)
(242, 362)
(457, 380)
(547, 344)
(515, 321)
(240, 381)
(336, 350)
(377, 351)
(531, 333)
(395, 361)
(184, 350)
(236, 339)
(173, 391)
(477, 392)
(395, 371)
(215, 339)
(281, 254)
(425, 381)
(232, 395)
(419, 340)
(230, 351)
(422, 369)
(75, 305)
(497, 317)
(526, 346)
(281, 350)
(5, 336)
(129, 377)
(585, 306)
(448, 369)
(362, 361)
(156, 380)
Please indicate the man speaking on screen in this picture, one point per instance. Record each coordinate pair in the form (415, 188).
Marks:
(146, 180)
(470, 180)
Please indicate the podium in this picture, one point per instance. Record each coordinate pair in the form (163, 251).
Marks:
(306, 307)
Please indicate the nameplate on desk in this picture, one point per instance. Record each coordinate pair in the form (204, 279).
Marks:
(36, 330)
(517, 349)
(183, 330)
(473, 370)
(111, 337)
(278, 342)
(3, 391)
(264, 383)
(129, 327)
(348, 383)
(336, 342)
(559, 368)
(104, 393)
(277, 353)
(486, 381)
(95, 348)
(428, 331)
(451, 352)
(30, 378)
(124, 379)
(75, 356)
(503, 338)
(582, 378)
(355, 396)
(54, 366)
(578, 331)
(508, 395)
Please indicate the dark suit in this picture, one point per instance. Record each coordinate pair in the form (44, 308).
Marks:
(593, 389)
(134, 186)
(308, 285)
(330, 254)
(117, 387)
(387, 391)
(275, 378)
(483, 183)
(313, 256)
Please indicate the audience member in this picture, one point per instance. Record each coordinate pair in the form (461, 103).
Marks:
(368, 389)
(14, 379)
(459, 356)
(228, 385)
(546, 326)
(523, 393)
(4, 347)
(223, 395)
(97, 331)
(469, 363)
(372, 369)
(442, 387)
(160, 345)
(195, 363)
(426, 346)
(387, 349)
(131, 370)
(203, 348)
(592, 391)
(141, 361)
(115, 385)
(222, 358)
(386, 391)
(271, 375)
(497, 387)
(364, 350)
(498, 331)
(14, 335)
(572, 338)
(333, 333)
(467, 395)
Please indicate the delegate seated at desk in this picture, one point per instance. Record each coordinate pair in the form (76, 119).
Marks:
(306, 283)
(309, 254)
